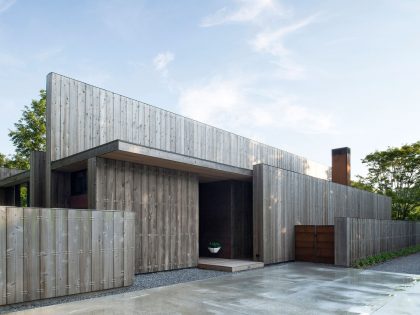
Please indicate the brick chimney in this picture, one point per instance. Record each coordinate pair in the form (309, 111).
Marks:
(341, 166)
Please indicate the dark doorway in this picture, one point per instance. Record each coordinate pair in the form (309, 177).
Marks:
(225, 216)
(78, 190)
(314, 243)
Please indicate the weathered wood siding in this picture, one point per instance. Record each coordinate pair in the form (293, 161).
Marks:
(55, 252)
(283, 199)
(37, 179)
(6, 172)
(357, 238)
(61, 190)
(166, 206)
(7, 196)
(81, 116)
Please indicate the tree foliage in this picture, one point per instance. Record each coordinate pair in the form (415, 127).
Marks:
(395, 172)
(359, 184)
(29, 134)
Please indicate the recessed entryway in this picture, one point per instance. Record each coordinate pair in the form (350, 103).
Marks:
(225, 218)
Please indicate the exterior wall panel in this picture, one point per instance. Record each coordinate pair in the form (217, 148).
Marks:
(283, 199)
(81, 116)
(165, 203)
(37, 179)
(6, 172)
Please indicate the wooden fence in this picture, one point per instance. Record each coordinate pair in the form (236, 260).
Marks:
(47, 253)
(357, 238)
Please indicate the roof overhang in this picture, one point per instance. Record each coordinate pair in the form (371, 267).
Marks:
(125, 151)
(14, 180)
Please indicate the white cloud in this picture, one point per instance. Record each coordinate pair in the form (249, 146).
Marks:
(162, 60)
(250, 103)
(247, 11)
(273, 24)
(287, 69)
(6, 4)
(233, 105)
(211, 102)
(272, 42)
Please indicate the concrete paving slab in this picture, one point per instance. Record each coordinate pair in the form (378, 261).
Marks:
(228, 265)
(294, 288)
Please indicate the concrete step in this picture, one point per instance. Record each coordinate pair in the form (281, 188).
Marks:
(229, 265)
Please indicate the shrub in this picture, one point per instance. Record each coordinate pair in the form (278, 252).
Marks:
(382, 257)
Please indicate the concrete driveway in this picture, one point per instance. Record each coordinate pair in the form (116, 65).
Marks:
(293, 288)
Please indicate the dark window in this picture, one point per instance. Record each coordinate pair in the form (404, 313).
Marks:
(79, 183)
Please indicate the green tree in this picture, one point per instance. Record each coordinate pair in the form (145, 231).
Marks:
(3, 160)
(361, 185)
(415, 214)
(29, 134)
(15, 161)
(395, 172)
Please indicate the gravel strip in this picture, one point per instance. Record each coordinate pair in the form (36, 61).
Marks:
(407, 264)
(141, 282)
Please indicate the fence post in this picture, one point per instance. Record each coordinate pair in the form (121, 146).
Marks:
(342, 242)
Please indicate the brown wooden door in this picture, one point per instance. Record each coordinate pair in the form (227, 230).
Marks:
(314, 243)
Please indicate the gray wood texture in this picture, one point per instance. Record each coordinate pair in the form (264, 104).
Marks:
(3, 255)
(15, 179)
(60, 189)
(37, 179)
(283, 199)
(165, 203)
(7, 172)
(357, 238)
(55, 252)
(98, 116)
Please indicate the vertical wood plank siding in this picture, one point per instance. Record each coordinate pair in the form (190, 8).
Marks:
(54, 252)
(165, 203)
(98, 116)
(6, 172)
(37, 179)
(357, 238)
(283, 199)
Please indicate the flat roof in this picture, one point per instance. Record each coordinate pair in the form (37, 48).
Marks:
(131, 152)
(16, 179)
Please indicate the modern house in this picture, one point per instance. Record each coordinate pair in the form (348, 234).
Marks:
(187, 182)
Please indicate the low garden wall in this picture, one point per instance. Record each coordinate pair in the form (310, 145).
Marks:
(47, 253)
(357, 238)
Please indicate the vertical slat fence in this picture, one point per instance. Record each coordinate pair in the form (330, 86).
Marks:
(55, 252)
(357, 238)
(283, 199)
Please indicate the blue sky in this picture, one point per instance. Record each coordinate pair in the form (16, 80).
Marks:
(304, 76)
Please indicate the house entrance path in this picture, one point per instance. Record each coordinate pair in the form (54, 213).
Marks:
(292, 288)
